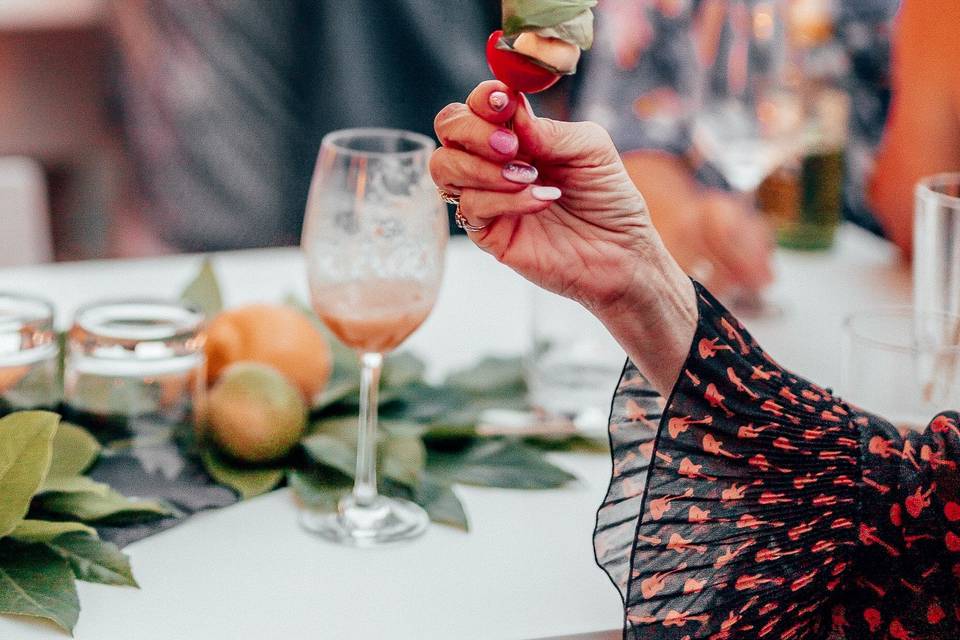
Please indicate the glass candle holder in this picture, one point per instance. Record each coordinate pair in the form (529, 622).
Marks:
(135, 368)
(574, 364)
(897, 364)
(29, 363)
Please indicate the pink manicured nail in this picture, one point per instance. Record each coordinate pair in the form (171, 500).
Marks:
(519, 172)
(498, 100)
(503, 141)
(546, 193)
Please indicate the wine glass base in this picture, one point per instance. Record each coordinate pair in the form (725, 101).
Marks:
(384, 521)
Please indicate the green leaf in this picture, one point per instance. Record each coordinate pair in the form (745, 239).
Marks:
(204, 290)
(318, 490)
(36, 582)
(25, 453)
(336, 391)
(523, 15)
(490, 376)
(504, 464)
(45, 530)
(440, 502)
(74, 484)
(401, 455)
(249, 482)
(401, 369)
(94, 560)
(99, 506)
(74, 450)
(402, 458)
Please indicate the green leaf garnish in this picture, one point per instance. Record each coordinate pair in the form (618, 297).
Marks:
(204, 291)
(25, 454)
(36, 581)
(248, 481)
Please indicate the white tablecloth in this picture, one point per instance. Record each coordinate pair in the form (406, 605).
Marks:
(526, 568)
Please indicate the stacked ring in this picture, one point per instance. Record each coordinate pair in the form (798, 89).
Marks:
(458, 217)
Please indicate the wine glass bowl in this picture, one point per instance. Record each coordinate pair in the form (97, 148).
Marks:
(374, 240)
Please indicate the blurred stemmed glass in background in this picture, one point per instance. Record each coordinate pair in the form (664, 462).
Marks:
(748, 117)
(374, 237)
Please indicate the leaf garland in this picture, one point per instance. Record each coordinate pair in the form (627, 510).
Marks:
(41, 557)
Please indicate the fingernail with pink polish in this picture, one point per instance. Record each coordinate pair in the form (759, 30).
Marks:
(547, 194)
(519, 172)
(498, 100)
(503, 141)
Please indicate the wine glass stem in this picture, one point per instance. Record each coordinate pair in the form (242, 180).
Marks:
(365, 484)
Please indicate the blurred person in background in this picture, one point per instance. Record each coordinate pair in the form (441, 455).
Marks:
(636, 82)
(923, 133)
(224, 103)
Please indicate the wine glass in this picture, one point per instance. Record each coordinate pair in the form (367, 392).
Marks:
(374, 237)
(748, 114)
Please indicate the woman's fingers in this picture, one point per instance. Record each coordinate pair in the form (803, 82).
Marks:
(481, 207)
(493, 101)
(454, 170)
(458, 127)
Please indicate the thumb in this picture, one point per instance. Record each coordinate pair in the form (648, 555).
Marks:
(574, 143)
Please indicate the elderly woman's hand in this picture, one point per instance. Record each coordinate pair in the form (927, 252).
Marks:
(556, 204)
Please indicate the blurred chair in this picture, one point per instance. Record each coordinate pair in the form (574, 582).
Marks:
(25, 236)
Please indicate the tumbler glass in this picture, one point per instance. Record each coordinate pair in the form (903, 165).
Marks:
(135, 368)
(574, 364)
(29, 367)
(896, 369)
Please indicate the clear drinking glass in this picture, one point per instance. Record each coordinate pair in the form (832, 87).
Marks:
(29, 368)
(936, 247)
(375, 235)
(574, 364)
(135, 369)
(893, 367)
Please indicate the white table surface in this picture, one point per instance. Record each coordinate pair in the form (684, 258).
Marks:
(524, 570)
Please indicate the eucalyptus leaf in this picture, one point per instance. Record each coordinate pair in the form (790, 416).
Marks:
(25, 453)
(403, 458)
(46, 530)
(204, 290)
(504, 464)
(440, 502)
(524, 15)
(94, 560)
(337, 390)
(249, 482)
(100, 507)
(317, 490)
(401, 369)
(74, 484)
(490, 376)
(332, 452)
(35, 581)
(74, 450)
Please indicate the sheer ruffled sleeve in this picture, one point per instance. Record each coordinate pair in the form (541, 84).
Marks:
(755, 504)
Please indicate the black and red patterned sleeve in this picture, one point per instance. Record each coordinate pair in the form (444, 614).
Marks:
(755, 504)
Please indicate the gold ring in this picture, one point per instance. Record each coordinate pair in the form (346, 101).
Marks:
(449, 198)
(462, 222)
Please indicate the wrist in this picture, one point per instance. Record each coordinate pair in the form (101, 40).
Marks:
(655, 320)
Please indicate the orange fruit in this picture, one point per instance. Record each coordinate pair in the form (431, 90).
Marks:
(254, 414)
(276, 335)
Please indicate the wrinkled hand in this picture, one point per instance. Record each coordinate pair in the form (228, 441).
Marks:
(556, 204)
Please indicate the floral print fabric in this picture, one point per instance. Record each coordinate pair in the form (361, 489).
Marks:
(755, 504)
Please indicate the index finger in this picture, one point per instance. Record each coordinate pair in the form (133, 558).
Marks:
(493, 101)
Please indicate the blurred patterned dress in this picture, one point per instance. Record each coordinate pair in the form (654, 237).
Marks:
(755, 504)
(636, 79)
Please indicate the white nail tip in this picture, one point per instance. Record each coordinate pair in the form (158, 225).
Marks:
(545, 193)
